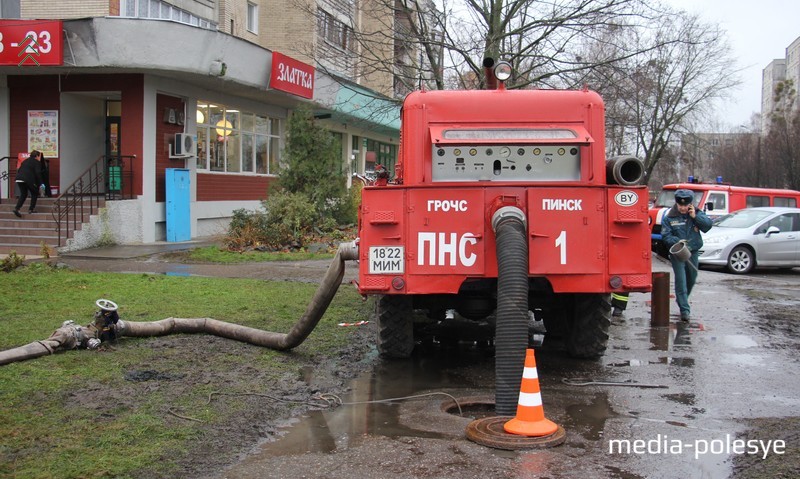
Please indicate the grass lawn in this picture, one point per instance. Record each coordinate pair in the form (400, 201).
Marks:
(75, 414)
(214, 254)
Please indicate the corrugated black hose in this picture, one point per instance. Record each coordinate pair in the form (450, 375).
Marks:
(511, 331)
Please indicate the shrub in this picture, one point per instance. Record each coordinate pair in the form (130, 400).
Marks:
(291, 214)
(11, 262)
(247, 229)
(288, 221)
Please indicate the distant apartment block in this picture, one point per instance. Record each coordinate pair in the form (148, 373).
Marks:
(780, 72)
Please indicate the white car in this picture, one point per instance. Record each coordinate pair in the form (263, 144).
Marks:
(751, 237)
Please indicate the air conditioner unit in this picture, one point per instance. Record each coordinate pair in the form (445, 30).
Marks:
(185, 146)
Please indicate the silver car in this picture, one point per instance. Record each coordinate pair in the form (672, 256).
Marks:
(751, 237)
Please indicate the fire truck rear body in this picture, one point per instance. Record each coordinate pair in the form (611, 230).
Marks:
(467, 154)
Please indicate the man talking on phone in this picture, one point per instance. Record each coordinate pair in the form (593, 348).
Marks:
(683, 223)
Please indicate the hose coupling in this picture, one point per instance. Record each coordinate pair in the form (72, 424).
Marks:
(507, 212)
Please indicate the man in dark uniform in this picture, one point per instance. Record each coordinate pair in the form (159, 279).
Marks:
(683, 223)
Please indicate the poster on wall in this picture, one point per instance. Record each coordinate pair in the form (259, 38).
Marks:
(43, 132)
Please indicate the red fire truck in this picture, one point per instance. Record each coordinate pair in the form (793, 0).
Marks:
(503, 208)
(717, 200)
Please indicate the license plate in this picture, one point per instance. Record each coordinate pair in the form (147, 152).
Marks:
(386, 260)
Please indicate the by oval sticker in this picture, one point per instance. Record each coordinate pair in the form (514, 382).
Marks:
(626, 198)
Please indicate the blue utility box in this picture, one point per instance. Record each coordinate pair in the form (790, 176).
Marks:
(179, 219)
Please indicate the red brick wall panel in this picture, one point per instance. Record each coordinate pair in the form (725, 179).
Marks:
(219, 187)
(30, 93)
(165, 136)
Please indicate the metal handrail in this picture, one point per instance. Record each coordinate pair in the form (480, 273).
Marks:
(5, 177)
(108, 178)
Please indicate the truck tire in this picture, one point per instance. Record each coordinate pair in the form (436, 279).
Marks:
(395, 326)
(589, 323)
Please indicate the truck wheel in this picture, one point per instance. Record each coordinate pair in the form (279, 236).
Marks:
(591, 318)
(395, 326)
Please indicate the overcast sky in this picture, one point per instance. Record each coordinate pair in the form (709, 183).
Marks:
(758, 31)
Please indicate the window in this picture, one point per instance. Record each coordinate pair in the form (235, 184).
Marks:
(334, 32)
(781, 201)
(785, 223)
(754, 201)
(162, 10)
(252, 18)
(384, 154)
(718, 200)
(234, 141)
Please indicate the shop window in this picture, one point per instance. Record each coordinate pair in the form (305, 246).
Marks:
(236, 141)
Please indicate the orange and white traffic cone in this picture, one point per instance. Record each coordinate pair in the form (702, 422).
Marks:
(530, 420)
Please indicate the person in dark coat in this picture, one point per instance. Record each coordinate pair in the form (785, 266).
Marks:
(29, 177)
(683, 223)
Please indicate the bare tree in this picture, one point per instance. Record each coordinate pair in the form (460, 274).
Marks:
(441, 44)
(543, 41)
(741, 163)
(746, 162)
(652, 97)
(657, 69)
(783, 139)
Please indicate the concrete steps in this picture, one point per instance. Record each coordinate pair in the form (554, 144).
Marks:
(26, 235)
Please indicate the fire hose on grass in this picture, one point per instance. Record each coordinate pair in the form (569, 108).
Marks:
(72, 336)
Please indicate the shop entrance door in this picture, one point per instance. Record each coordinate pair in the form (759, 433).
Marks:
(113, 161)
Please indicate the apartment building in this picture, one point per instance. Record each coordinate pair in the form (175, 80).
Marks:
(780, 71)
(200, 86)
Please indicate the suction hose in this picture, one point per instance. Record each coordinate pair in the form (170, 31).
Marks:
(511, 330)
(624, 171)
(71, 336)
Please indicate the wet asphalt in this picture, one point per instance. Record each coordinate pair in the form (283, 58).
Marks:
(708, 377)
(711, 375)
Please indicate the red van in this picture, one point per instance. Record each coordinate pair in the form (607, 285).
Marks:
(717, 200)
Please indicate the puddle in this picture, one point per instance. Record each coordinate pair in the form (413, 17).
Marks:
(677, 361)
(681, 398)
(179, 270)
(590, 419)
(739, 341)
(360, 416)
(742, 359)
(676, 336)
